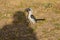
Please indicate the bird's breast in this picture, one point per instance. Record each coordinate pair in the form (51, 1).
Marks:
(31, 19)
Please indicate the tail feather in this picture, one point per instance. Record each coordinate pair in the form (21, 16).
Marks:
(40, 20)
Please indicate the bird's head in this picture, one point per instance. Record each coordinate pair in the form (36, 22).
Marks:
(28, 10)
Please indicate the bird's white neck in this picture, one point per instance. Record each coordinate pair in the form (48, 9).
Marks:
(30, 13)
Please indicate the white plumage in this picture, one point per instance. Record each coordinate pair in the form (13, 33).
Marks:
(30, 16)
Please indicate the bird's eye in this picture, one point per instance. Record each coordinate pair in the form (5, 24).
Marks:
(28, 9)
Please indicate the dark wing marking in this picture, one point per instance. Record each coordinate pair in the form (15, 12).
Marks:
(32, 16)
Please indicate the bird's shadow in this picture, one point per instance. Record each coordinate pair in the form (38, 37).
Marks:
(18, 30)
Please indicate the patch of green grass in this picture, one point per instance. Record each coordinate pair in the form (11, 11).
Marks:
(44, 31)
(0, 14)
(57, 26)
(56, 10)
(3, 16)
(47, 5)
(59, 39)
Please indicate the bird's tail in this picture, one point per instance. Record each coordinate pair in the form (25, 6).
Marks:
(40, 20)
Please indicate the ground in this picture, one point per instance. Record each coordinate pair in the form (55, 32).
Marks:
(12, 17)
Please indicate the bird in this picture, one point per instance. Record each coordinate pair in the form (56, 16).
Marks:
(31, 17)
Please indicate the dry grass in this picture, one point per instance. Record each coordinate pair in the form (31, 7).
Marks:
(48, 9)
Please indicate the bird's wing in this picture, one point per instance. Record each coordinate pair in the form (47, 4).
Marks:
(33, 17)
